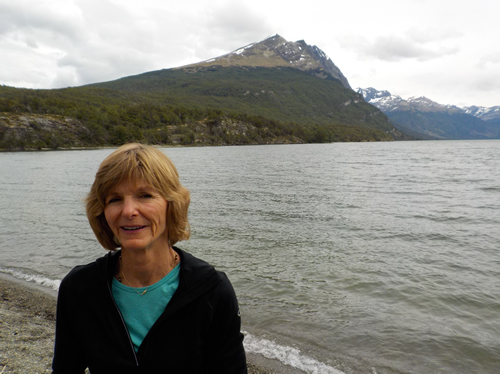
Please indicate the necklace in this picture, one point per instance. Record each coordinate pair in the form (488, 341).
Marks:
(135, 288)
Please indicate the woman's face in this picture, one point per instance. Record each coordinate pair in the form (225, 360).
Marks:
(137, 215)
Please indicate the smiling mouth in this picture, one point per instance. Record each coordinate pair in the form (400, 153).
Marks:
(131, 228)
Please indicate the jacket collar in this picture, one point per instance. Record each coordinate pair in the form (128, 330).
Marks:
(196, 276)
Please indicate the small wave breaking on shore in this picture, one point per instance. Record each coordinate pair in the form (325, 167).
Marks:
(286, 355)
(40, 280)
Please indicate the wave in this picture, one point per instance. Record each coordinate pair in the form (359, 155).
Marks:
(40, 280)
(287, 355)
(490, 189)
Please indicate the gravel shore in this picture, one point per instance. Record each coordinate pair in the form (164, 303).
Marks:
(27, 324)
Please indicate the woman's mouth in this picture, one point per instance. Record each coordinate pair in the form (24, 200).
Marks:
(132, 228)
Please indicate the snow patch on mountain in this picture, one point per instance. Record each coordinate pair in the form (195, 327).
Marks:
(277, 51)
(383, 100)
(486, 114)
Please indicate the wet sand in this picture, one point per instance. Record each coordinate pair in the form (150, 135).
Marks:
(27, 325)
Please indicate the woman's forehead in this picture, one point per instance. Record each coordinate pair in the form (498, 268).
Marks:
(132, 184)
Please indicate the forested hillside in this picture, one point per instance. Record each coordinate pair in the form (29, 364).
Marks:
(193, 106)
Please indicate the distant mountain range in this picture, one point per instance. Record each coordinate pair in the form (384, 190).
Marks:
(422, 117)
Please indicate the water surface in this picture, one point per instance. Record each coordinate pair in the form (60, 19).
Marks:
(351, 257)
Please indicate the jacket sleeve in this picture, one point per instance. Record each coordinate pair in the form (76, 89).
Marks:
(68, 354)
(226, 353)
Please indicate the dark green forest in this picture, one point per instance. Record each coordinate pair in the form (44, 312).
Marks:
(208, 106)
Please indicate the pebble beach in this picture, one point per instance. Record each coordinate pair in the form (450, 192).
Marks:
(27, 325)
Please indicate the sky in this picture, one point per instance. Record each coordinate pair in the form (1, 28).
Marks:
(446, 50)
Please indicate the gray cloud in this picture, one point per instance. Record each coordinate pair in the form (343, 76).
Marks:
(233, 24)
(28, 18)
(421, 46)
(85, 41)
(441, 86)
(489, 60)
(237, 20)
(432, 35)
(490, 83)
(120, 43)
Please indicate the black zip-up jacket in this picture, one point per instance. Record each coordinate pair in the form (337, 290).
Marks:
(199, 331)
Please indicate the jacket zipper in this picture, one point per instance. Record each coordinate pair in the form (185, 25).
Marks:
(124, 324)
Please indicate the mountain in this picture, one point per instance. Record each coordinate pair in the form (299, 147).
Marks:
(420, 115)
(272, 91)
(274, 78)
(280, 80)
(491, 114)
(276, 51)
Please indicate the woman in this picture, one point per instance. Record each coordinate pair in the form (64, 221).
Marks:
(148, 307)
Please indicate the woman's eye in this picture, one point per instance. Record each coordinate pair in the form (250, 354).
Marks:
(113, 200)
(146, 196)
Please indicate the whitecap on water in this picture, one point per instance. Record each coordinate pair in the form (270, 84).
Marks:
(287, 355)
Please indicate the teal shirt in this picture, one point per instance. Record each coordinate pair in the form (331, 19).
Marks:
(140, 312)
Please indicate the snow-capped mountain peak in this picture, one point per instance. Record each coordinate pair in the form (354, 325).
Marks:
(387, 102)
(383, 100)
(482, 112)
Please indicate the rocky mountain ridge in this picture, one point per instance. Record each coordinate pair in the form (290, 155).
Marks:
(276, 51)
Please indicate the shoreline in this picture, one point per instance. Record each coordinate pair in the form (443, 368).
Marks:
(27, 327)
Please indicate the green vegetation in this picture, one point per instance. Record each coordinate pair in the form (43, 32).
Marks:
(283, 94)
(192, 106)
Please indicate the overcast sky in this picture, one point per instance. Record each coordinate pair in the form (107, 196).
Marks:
(446, 50)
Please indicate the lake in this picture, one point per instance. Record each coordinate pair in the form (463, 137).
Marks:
(346, 257)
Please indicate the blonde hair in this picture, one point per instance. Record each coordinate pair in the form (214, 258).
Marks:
(134, 162)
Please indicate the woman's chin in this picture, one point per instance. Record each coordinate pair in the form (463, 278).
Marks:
(134, 245)
(143, 244)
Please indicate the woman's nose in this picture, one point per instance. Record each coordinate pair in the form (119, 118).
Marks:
(129, 207)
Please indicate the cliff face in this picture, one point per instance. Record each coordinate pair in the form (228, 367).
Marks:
(276, 51)
(39, 131)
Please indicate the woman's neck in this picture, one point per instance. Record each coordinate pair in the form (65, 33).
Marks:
(142, 268)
